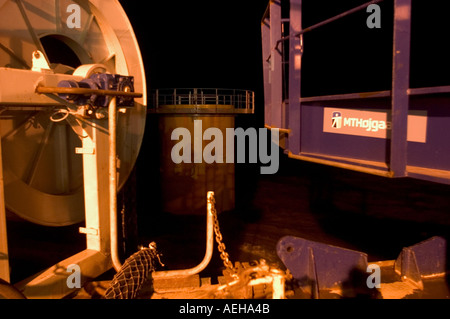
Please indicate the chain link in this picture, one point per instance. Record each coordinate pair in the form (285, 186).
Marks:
(219, 238)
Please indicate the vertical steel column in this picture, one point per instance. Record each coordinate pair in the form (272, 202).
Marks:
(96, 259)
(4, 256)
(276, 72)
(96, 187)
(113, 226)
(400, 86)
(295, 64)
(253, 101)
(265, 33)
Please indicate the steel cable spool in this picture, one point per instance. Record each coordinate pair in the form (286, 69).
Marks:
(43, 174)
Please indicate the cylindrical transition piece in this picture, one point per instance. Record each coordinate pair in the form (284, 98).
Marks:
(185, 184)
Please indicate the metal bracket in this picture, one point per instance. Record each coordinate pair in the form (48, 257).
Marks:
(40, 63)
(426, 259)
(88, 231)
(318, 266)
(81, 150)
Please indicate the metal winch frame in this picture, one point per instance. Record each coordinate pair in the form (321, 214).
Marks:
(35, 116)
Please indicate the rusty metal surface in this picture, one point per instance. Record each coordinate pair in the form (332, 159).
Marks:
(318, 266)
(424, 260)
(322, 271)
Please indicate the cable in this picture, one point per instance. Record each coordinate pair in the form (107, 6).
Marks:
(65, 113)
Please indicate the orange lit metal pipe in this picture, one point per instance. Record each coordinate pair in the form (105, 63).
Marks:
(209, 248)
(113, 185)
(84, 91)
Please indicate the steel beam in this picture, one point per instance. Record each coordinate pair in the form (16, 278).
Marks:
(52, 282)
(95, 260)
(400, 86)
(265, 33)
(293, 118)
(95, 153)
(4, 256)
(276, 66)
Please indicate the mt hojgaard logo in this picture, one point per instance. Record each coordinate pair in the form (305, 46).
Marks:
(336, 120)
(369, 124)
(373, 123)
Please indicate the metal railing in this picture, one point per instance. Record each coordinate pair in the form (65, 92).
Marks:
(327, 21)
(240, 99)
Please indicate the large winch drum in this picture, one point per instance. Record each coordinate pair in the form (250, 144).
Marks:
(43, 174)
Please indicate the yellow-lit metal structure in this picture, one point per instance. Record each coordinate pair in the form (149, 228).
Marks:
(57, 162)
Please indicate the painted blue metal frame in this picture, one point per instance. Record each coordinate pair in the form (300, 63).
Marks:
(303, 117)
(400, 86)
(293, 116)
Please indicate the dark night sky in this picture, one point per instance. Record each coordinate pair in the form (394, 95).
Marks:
(200, 43)
(210, 43)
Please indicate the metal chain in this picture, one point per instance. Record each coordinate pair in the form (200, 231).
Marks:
(219, 238)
